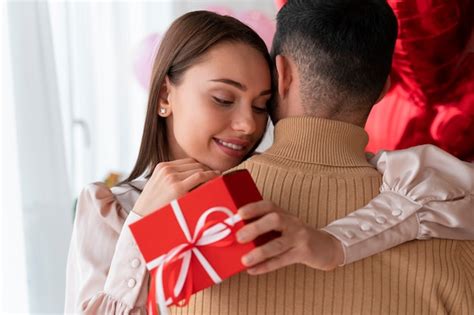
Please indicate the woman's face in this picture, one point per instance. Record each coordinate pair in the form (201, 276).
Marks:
(218, 109)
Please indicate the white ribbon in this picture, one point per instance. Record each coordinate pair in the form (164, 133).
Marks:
(211, 235)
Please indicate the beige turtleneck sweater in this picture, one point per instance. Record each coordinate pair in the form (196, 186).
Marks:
(321, 164)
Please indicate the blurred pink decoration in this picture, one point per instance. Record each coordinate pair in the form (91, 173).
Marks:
(144, 57)
(280, 3)
(259, 22)
(220, 10)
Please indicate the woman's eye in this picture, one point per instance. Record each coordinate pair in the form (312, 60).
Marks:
(222, 101)
(260, 110)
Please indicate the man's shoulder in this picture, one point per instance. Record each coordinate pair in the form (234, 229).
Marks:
(243, 165)
(246, 164)
(255, 165)
(265, 165)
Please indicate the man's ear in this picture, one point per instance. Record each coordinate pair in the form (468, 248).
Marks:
(385, 89)
(164, 104)
(283, 75)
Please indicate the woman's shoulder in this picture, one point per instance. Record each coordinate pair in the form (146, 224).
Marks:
(96, 194)
(128, 193)
(100, 196)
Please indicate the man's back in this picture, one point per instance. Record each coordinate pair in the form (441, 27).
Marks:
(312, 174)
(317, 170)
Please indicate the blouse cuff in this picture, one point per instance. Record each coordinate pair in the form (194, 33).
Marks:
(103, 303)
(128, 269)
(377, 226)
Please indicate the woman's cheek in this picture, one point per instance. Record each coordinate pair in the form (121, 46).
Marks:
(262, 125)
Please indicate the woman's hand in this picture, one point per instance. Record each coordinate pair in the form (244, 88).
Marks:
(169, 181)
(298, 243)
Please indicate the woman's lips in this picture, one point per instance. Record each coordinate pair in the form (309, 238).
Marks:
(233, 147)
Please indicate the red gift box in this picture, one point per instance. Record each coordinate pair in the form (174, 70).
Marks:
(189, 244)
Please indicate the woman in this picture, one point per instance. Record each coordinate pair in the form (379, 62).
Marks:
(206, 113)
(210, 87)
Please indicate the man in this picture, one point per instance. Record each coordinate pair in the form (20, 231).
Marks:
(332, 61)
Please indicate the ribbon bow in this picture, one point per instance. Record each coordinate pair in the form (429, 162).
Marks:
(206, 233)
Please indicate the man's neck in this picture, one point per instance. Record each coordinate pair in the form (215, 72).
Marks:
(296, 109)
(319, 141)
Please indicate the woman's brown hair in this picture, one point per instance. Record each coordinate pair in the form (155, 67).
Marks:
(184, 44)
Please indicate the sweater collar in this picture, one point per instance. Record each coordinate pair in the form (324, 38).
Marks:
(320, 141)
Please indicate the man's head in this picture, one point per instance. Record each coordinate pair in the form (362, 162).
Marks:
(333, 57)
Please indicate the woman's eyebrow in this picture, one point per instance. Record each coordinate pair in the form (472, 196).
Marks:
(236, 84)
(239, 85)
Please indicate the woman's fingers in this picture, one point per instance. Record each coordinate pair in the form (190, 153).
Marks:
(271, 249)
(198, 178)
(164, 169)
(180, 161)
(257, 209)
(191, 166)
(181, 176)
(273, 221)
(174, 170)
(171, 180)
(274, 263)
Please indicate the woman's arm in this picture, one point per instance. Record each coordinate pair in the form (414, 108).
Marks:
(105, 272)
(426, 193)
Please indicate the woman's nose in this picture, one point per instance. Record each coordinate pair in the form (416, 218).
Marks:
(244, 120)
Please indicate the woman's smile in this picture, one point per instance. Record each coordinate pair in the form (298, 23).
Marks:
(236, 148)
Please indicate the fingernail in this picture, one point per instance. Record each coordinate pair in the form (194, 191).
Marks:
(241, 237)
(251, 271)
(247, 260)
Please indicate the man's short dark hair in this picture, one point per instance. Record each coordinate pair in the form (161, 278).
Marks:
(342, 48)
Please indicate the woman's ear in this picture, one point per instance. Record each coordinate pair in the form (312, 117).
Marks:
(164, 104)
(283, 75)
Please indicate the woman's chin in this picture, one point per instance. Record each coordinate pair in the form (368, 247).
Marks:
(222, 166)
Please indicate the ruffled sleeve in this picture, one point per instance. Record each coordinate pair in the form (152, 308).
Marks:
(106, 273)
(426, 193)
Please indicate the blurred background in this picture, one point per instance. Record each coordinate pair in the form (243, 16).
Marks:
(74, 79)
